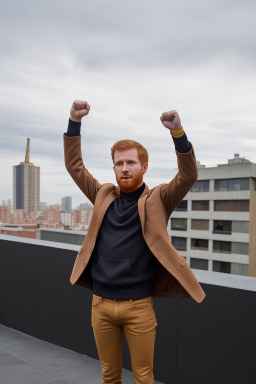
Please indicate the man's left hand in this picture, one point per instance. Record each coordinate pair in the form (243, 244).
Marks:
(171, 120)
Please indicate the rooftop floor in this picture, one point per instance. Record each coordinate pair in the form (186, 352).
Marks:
(27, 360)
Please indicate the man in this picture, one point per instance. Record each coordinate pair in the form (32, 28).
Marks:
(127, 256)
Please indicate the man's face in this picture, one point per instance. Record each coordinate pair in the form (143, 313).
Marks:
(128, 170)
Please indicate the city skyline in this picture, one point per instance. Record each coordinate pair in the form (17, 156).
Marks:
(137, 61)
(235, 160)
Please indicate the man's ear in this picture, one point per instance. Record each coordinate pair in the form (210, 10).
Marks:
(144, 168)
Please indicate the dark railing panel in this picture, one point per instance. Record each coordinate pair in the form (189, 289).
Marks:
(211, 342)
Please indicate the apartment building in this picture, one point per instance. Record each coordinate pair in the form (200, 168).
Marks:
(214, 227)
(66, 204)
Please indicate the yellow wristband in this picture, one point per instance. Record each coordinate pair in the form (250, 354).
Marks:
(177, 132)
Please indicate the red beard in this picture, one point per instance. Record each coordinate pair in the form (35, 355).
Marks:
(131, 184)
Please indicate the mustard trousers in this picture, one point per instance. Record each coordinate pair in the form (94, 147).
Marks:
(137, 319)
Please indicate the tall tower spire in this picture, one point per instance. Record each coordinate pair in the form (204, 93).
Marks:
(26, 185)
(27, 151)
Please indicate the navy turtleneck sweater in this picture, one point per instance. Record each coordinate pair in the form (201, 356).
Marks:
(122, 266)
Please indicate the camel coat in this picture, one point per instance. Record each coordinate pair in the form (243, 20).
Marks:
(173, 277)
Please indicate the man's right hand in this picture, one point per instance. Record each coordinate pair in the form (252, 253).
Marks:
(78, 110)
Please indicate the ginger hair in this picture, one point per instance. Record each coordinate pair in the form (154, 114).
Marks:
(128, 144)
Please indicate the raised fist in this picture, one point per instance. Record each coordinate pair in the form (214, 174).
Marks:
(78, 110)
(171, 120)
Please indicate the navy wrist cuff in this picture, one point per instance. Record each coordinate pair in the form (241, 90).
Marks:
(182, 144)
(73, 128)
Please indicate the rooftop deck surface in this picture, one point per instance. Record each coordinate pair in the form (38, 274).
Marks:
(25, 359)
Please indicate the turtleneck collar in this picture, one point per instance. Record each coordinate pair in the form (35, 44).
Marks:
(133, 195)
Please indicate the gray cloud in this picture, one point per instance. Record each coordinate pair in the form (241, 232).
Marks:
(131, 61)
(112, 34)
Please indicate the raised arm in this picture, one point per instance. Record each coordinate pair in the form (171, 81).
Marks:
(73, 154)
(174, 192)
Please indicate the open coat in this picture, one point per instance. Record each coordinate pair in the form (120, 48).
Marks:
(173, 277)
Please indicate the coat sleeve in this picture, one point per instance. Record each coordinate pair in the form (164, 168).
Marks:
(75, 166)
(174, 192)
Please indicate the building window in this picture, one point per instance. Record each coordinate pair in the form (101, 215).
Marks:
(222, 226)
(183, 206)
(232, 184)
(241, 226)
(221, 246)
(201, 244)
(231, 205)
(179, 224)
(202, 225)
(180, 243)
(202, 205)
(199, 263)
(200, 186)
(221, 266)
(240, 248)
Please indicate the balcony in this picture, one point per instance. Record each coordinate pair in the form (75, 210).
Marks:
(46, 334)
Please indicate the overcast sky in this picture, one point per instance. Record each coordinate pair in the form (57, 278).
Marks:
(131, 60)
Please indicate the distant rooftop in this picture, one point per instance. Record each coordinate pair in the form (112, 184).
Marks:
(236, 160)
(76, 231)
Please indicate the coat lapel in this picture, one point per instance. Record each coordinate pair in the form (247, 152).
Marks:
(141, 206)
